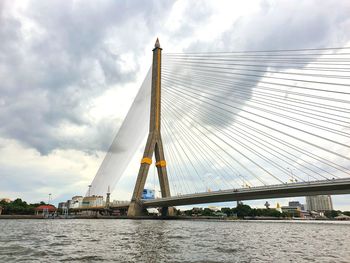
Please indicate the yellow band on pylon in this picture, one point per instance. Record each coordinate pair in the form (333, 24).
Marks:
(161, 163)
(146, 160)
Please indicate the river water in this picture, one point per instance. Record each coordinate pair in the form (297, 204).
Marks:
(85, 240)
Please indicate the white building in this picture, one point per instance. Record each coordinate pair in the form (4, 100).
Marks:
(319, 203)
(93, 201)
(76, 202)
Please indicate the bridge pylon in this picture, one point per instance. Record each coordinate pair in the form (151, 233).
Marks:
(154, 144)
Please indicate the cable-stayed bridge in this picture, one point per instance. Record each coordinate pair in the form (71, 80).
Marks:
(229, 126)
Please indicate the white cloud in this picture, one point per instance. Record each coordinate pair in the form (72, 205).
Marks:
(25, 173)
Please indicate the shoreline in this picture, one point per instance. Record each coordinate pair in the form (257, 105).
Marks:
(205, 218)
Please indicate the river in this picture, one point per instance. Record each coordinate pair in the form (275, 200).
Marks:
(89, 240)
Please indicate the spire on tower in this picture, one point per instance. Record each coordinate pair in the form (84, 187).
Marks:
(157, 43)
(108, 198)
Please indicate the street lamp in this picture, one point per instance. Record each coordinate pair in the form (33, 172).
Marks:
(292, 175)
(49, 198)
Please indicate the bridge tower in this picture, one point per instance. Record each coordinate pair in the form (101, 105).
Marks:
(154, 143)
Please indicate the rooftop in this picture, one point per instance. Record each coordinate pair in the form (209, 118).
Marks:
(44, 207)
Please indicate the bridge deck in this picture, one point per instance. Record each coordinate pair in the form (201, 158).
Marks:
(335, 186)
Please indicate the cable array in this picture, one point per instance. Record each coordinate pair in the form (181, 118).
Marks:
(247, 119)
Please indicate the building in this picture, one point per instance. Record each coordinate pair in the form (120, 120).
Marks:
(92, 201)
(76, 202)
(296, 204)
(120, 202)
(153, 211)
(83, 202)
(62, 205)
(45, 209)
(69, 203)
(319, 203)
(148, 194)
(294, 208)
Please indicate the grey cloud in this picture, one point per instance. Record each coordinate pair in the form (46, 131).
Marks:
(196, 14)
(278, 25)
(284, 25)
(73, 54)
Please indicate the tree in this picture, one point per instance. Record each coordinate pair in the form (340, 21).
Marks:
(227, 211)
(17, 207)
(19, 202)
(286, 215)
(272, 212)
(242, 210)
(347, 213)
(331, 213)
(207, 212)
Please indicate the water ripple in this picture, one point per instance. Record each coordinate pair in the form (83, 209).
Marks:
(172, 241)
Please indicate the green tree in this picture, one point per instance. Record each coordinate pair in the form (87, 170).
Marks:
(242, 210)
(286, 214)
(18, 207)
(347, 213)
(227, 211)
(207, 212)
(331, 213)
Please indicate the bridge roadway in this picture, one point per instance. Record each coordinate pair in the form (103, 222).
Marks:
(324, 187)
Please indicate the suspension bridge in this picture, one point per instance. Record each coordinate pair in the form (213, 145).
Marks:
(226, 126)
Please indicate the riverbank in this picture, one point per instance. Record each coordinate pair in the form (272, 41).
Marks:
(191, 218)
(21, 217)
(157, 218)
(111, 217)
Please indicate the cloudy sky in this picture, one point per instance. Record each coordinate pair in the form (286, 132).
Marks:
(71, 69)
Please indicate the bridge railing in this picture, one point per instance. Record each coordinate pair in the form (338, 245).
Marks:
(267, 187)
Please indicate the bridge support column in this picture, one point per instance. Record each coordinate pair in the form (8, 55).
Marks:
(154, 144)
(168, 211)
(136, 209)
